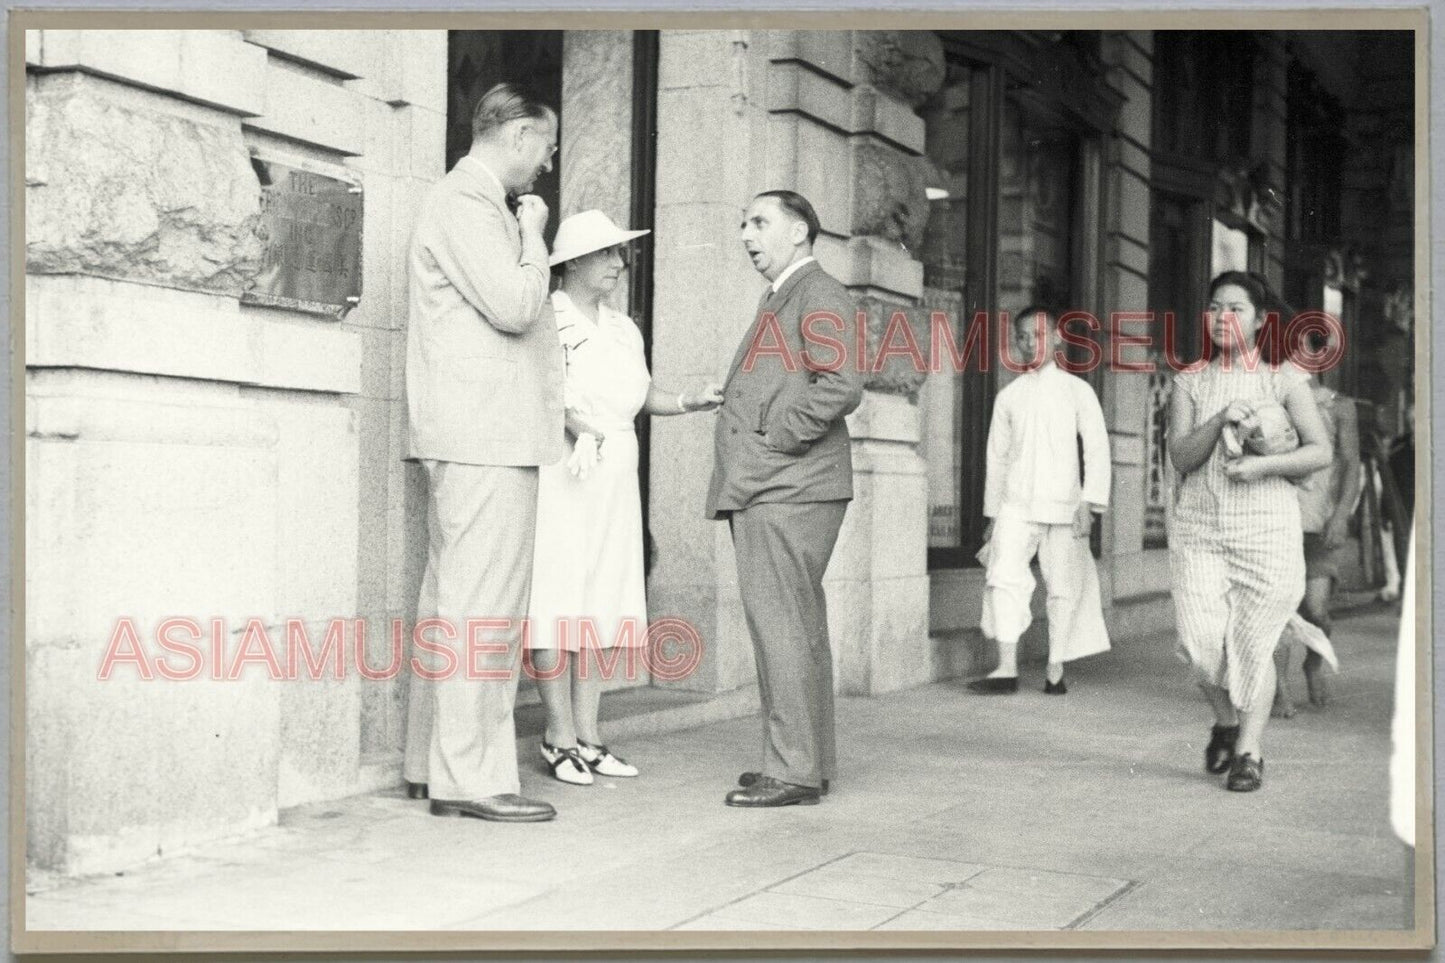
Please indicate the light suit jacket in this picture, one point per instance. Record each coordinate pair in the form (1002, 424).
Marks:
(780, 434)
(483, 362)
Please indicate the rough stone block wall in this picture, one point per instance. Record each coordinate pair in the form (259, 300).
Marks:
(189, 455)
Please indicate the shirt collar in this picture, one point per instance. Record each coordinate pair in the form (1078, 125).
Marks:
(490, 175)
(789, 270)
(563, 305)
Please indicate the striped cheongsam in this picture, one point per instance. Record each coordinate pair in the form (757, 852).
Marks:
(1236, 551)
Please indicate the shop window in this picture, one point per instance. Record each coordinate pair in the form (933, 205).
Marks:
(479, 59)
(1204, 94)
(1013, 231)
(945, 277)
(1314, 158)
(1038, 176)
(1179, 261)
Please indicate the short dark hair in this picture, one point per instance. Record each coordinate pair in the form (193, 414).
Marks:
(505, 103)
(1257, 286)
(1269, 307)
(1038, 307)
(798, 206)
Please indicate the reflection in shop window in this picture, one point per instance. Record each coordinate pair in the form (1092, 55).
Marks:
(945, 274)
(1038, 167)
(942, 404)
(1230, 251)
(1158, 490)
(1334, 301)
(1037, 245)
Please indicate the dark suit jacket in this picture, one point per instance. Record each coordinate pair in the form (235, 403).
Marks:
(780, 434)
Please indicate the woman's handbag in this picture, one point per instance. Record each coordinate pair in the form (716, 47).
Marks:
(1269, 431)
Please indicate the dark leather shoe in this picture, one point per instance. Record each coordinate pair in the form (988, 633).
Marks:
(1055, 688)
(1002, 685)
(415, 790)
(507, 808)
(1246, 774)
(769, 792)
(1220, 751)
(749, 778)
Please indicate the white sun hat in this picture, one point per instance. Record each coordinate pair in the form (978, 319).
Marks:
(585, 232)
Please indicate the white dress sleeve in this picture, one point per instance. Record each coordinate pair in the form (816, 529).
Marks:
(1287, 378)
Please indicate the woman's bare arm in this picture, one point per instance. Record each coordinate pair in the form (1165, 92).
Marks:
(1190, 445)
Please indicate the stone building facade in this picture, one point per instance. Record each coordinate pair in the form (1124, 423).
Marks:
(193, 454)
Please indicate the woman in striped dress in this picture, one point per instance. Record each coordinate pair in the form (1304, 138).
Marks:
(1236, 556)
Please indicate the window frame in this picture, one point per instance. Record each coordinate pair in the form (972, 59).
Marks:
(1064, 82)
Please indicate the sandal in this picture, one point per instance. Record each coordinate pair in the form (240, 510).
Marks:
(1220, 751)
(601, 761)
(566, 765)
(1246, 774)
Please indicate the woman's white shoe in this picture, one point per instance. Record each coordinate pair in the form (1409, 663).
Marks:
(601, 761)
(566, 765)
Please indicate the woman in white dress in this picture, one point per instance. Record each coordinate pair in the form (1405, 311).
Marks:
(588, 591)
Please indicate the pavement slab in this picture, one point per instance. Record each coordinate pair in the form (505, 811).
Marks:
(952, 811)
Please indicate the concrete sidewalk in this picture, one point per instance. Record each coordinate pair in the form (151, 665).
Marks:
(951, 811)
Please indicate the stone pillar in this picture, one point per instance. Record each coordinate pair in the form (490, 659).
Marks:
(400, 89)
(190, 456)
(883, 571)
(1127, 569)
(711, 145)
(823, 113)
(596, 151)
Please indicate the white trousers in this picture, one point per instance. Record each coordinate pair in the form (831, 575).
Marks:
(481, 521)
(1074, 607)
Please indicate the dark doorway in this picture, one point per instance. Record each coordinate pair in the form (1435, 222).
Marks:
(478, 59)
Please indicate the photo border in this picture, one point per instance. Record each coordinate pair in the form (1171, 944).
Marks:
(1203, 18)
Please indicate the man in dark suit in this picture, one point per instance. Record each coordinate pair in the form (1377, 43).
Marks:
(782, 477)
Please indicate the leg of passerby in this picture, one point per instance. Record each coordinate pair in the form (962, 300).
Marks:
(1224, 735)
(587, 694)
(1252, 719)
(1267, 589)
(1009, 585)
(783, 551)
(1391, 589)
(1316, 609)
(488, 517)
(1283, 699)
(1200, 581)
(553, 669)
(1074, 604)
(1225, 715)
(594, 667)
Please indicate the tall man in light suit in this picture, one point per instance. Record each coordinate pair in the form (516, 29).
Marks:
(783, 476)
(484, 406)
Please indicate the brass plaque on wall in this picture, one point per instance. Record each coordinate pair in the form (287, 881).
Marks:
(311, 226)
